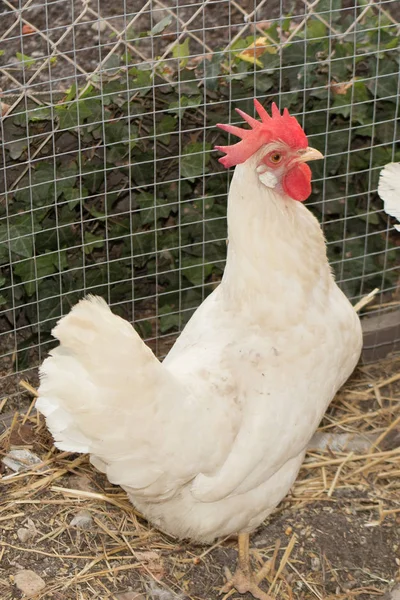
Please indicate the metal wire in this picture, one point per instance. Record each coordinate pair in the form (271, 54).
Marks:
(48, 46)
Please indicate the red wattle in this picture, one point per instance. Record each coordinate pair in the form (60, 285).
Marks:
(297, 182)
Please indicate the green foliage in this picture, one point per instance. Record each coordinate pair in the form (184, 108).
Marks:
(135, 200)
(195, 158)
(163, 24)
(181, 51)
(25, 60)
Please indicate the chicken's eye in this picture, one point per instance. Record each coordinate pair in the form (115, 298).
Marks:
(276, 158)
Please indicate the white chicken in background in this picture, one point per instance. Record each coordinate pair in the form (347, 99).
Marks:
(389, 190)
(207, 443)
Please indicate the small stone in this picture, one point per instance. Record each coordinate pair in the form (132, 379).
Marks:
(28, 532)
(80, 482)
(82, 520)
(100, 25)
(21, 460)
(24, 535)
(29, 583)
(159, 593)
(394, 594)
(315, 564)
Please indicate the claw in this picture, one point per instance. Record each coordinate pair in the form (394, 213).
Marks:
(244, 580)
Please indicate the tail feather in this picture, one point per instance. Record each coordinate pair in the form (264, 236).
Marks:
(104, 392)
(86, 326)
(89, 373)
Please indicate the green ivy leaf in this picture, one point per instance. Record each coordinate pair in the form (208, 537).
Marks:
(212, 70)
(370, 217)
(146, 204)
(142, 81)
(315, 29)
(93, 176)
(181, 51)
(161, 25)
(143, 328)
(71, 93)
(112, 64)
(333, 7)
(188, 83)
(195, 271)
(385, 85)
(73, 195)
(42, 190)
(16, 148)
(18, 237)
(26, 61)
(74, 114)
(168, 321)
(92, 241)
(32, 270)
(66, 178)
(182, 104)
(40, 113)
(195, 159)
(164, 128)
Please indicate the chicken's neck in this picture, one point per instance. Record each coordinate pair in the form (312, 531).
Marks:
(276, 249)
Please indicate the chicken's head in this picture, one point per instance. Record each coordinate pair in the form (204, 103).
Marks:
(281, 148)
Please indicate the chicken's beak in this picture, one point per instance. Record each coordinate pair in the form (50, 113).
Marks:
(307, 154)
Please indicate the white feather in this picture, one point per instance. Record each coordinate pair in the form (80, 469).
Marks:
(389, 190)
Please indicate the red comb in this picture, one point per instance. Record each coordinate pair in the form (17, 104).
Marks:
(277, 127)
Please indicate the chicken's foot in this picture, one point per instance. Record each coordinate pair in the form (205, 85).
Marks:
(245, 580)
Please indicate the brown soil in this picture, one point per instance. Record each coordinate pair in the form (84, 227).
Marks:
(73, 26)
(84, 45)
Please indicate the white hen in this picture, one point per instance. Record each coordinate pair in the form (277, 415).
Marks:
(389, 190)
(207, 443)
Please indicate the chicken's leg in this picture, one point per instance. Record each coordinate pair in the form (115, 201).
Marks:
(244, 580)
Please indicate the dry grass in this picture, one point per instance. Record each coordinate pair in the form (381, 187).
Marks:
(335, 536)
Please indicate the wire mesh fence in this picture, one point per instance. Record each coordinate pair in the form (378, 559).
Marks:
(108, 181)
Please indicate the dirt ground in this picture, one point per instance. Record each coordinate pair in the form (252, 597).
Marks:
(337, 534)
(79, 34)
(81, 47)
